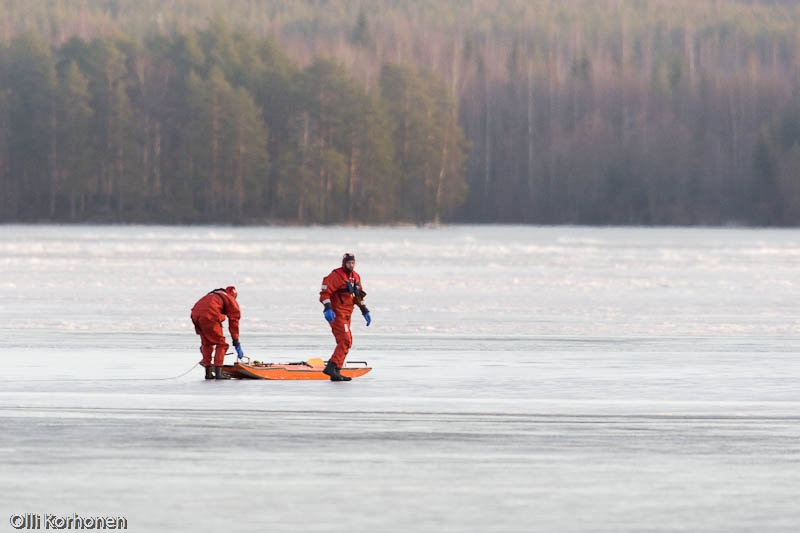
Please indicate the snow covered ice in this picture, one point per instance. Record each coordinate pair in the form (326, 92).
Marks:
(525, 379)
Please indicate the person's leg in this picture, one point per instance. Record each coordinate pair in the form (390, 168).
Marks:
(340, 328)
(214, 336)
(206, 349)
(344, 340)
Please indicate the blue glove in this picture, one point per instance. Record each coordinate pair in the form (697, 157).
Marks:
(239, 351)
(329, 314)
(368, 318)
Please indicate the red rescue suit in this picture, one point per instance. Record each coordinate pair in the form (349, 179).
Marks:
(340, 289)
(208, 314)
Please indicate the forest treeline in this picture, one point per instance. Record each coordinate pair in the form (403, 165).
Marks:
(386, 111)
(215, 126)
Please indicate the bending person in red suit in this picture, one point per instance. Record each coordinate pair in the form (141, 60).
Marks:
(208, 314)
(341, 291)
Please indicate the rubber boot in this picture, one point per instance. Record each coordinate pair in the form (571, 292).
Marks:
(333, 371)
(209, 372)
(330, 370)
(220, 374)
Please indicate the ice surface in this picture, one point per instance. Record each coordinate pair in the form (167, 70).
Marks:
(525, 379)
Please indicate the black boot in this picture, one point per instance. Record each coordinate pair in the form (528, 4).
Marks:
(220, 374)
(333, 371)
(209, 373)
(330, 370)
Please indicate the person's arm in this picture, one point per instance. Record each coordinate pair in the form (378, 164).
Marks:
(359, 298)
(234, 315)
(326, 291)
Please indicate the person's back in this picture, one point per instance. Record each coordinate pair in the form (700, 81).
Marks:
(214, 306)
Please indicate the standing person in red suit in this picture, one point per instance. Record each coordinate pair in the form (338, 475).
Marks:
(341, 291)
(208, 314)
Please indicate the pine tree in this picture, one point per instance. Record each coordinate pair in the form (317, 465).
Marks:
(429, 143)
(74, 121)
(362, 34)
(30, 96)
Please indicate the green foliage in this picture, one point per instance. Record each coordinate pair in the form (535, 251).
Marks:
(208, 126)
(30, 92)
(428, 142)
(775, 185)
(597, 111)
(74, 136)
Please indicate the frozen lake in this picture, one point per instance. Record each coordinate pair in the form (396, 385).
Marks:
(525, 379)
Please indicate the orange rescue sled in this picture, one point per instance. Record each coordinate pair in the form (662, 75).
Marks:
(311, 369)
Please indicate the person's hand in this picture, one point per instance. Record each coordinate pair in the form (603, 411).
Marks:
(329, 314)
(368, 318)
(239, 351)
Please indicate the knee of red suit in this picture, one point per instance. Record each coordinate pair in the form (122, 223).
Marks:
(345, 343)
